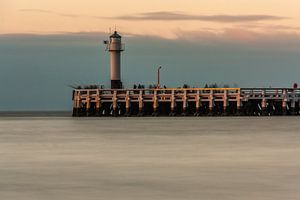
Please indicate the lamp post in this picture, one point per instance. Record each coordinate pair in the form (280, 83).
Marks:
(158, 76)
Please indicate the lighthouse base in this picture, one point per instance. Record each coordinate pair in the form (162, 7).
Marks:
(116, 84)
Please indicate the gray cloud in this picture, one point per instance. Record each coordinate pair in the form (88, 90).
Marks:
(51, 12)
(169, 16)
(270, 27)
(174, 16)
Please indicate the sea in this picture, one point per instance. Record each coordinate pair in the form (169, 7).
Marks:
(57, 157)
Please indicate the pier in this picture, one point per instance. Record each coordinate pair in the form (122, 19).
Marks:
(186, 102)
(116, 101)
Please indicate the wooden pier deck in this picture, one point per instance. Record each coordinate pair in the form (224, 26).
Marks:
(186, 101)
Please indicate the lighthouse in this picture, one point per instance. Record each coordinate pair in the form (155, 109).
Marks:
(115, 47)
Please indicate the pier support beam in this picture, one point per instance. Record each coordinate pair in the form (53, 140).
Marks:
(115, 104)
(98, 104)
(198, 102)
(264, 107)
(173, 104)
(211, 103)
(225, 104)
(284, 102)
(155, 104)
(141, 104)
(88, 104)
(127, 104)
(284, 107)
(263, 104)
(184, 103)
(76, 103)
(293, 103)
(293, 108)
(238, 103)
(272, 108)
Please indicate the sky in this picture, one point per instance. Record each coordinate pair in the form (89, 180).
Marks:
(45, 46)
(168, 18)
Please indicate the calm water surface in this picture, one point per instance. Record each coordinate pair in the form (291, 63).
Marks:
(61, 158)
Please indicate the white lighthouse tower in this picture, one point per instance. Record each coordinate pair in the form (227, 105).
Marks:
(115, 47)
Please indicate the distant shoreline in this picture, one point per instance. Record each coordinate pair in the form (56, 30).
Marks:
(35, 113)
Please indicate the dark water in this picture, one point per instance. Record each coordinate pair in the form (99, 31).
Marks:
(149, 158)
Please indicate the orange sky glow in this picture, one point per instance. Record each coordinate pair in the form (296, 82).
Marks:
(168, 19)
